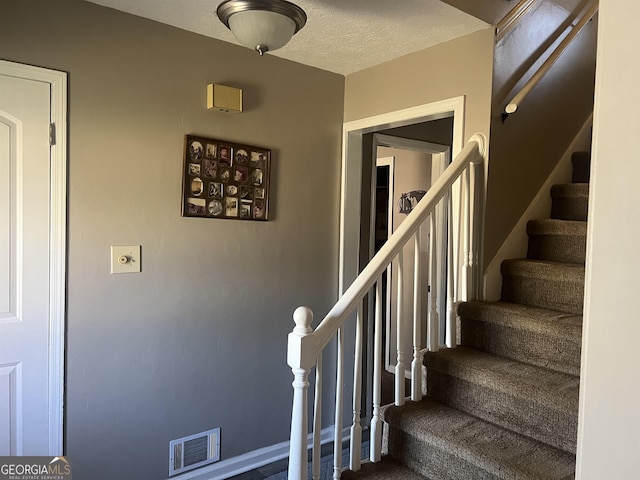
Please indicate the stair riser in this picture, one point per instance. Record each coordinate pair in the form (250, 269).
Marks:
(581, 167)
(558, 248)
(533, 348)
(570, 208)
(523, 416)
(564, 295)
(431, 460)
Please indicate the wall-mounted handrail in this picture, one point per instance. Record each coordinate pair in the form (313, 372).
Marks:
(305, 345)
(515, 102)
(512, 18)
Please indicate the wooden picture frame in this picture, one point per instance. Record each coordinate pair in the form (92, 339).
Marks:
(223, 179)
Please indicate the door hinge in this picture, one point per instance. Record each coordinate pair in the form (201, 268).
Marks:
(52, 134)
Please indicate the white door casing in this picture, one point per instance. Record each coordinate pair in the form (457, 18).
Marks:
(351, 185)
(32, 259)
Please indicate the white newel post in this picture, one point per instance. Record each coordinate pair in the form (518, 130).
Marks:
(301, 356)
(476, 200)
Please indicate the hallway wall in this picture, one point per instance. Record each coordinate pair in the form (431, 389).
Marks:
(198, 339)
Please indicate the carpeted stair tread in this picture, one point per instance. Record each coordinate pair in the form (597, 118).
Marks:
(554, 389)
(538, 320)
(444, 443)
(570, 201)
(529, 400)
(538, 283)
(553, 226)
(541, 337)
(557, 240)
(386, 469)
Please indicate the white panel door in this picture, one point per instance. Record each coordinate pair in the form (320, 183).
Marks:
(25, 113)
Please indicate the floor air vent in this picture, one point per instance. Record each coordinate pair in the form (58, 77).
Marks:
(194, 451)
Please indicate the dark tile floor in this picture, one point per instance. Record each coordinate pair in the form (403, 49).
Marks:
(265, 472)
(278, 470)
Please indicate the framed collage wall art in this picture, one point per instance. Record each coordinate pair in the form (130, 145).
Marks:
(225, 180)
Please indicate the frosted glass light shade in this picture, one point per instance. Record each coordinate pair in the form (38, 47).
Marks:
(262, 30)
(263, 25)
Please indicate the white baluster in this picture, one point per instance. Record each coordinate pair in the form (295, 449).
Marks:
(472, 212)
(399, 393)
(356, 427)
(317, 421)
(416, 364)
(460, 256)
(375, 446)
(298, 463)
(433, 325)
(451, 314)
(475, 230)
(337, 434)
(468, 254)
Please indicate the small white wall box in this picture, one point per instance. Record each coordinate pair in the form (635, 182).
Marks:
(223, 98)
(194, 451)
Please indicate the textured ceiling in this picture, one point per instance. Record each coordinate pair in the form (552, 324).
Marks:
(341, 36)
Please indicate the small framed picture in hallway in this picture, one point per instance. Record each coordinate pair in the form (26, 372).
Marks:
(223, 179)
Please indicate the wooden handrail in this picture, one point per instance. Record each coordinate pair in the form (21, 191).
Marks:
(515, 102)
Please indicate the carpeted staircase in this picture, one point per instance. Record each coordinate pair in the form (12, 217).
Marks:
(504, 405)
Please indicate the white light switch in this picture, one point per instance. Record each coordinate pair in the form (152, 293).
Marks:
(125, 258)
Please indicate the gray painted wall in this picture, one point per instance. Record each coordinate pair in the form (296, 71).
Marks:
(198, 339)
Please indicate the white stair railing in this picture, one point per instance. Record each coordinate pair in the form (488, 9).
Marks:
(306, 345)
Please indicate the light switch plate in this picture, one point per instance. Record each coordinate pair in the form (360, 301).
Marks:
(125, 258)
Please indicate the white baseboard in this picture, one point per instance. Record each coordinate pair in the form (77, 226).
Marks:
(515, 246)
(252, 460)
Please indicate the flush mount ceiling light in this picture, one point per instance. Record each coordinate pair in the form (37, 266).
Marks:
(264, 25)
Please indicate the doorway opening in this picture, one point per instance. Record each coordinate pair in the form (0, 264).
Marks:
(405, 170)
(358, 242)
